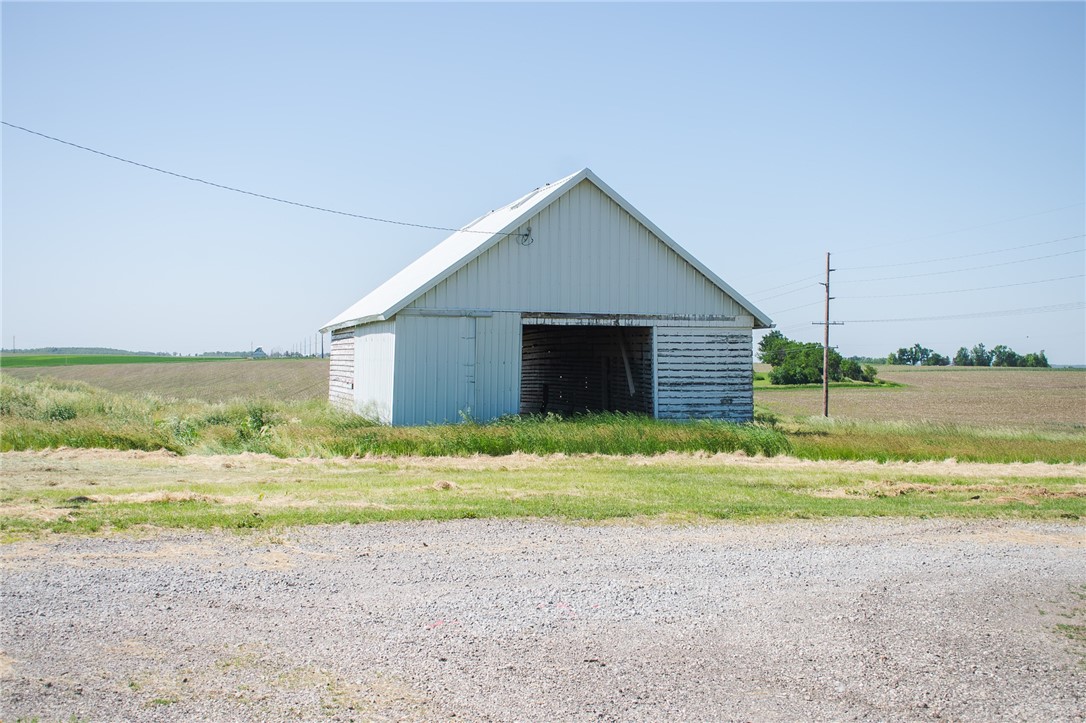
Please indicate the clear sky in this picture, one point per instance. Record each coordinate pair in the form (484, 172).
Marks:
(759, 136)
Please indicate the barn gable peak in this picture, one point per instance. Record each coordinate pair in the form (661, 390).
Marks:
(474, 239)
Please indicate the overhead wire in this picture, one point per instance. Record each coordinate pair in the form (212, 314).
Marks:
(1071, 306)
(788, 293)
(954, 271)
(254, 194)
(962, 230)
(790, 283)
(962, 256)
(793, 308)
(960, 291)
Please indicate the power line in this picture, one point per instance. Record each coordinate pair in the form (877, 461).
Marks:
(250, 193)
(790, 283)
(963, 256)
(908, 263)
(787, 293)
(1072, 306)
(954, 271)
(967, 228)
(801, 306)
(960, 291)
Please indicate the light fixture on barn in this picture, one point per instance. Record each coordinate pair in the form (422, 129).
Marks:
(526, 237)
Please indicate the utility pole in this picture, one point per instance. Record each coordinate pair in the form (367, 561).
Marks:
(826, 347)
(826, 343)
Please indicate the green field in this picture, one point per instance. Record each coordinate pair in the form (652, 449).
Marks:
(14, 361)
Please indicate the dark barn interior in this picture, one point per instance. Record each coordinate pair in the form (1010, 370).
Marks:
(573, 369)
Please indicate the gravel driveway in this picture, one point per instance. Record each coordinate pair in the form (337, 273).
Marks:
(537, 620)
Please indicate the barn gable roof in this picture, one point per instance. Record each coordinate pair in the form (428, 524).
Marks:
(464, 245)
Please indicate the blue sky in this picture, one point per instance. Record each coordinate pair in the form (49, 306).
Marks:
(759, 136)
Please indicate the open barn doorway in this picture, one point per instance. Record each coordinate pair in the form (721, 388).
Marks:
(569, 369)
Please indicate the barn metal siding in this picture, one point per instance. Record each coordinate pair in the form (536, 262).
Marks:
(451, 368)
(704, 372)
(375, 347)
(497, 366)
(586, 254)
(435, 369)
(341, 370)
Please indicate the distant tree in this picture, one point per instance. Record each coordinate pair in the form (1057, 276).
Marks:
(801, 364)
(962, 358)
(773, 346)
(851, 369)
(796, 362)
(981, 357)
(1004, 356)
(1037, 359)
(936, 360)
(868, 359)
(913, 355)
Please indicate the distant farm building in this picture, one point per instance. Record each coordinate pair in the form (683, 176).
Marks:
(258, 354)
(566, 300)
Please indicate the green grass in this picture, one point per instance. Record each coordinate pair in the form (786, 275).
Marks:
(67, 492)
(832, 439)
(761, 381)
(13, 361)
(43, 414)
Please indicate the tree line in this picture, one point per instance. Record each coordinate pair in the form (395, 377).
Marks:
(796, 362)
(998, 356)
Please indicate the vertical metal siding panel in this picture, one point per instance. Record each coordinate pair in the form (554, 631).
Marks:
(496, 262)
(588, 256)
(487, 385)
(399, 388)
(497, 360)
(375, 347)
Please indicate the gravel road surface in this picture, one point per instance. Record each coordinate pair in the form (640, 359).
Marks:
(538, 620)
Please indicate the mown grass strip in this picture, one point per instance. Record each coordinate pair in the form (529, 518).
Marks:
(89, 492)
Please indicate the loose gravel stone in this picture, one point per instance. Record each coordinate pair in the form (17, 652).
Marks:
(539, 620)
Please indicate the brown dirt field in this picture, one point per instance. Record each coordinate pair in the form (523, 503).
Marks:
(992, 397)
(286, 379)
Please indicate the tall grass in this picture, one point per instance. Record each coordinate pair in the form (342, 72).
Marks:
(46, 413)
(820, 438)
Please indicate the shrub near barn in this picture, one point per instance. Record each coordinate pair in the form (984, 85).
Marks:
(797, 362)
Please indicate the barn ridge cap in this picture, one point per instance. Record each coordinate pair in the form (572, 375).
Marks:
(467, 243)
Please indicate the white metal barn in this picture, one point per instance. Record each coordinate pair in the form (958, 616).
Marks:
(569, 300)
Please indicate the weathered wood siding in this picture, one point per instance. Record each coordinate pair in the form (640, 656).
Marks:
(586, 255)
(375, 348)
(341, 370)
(704, 372)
